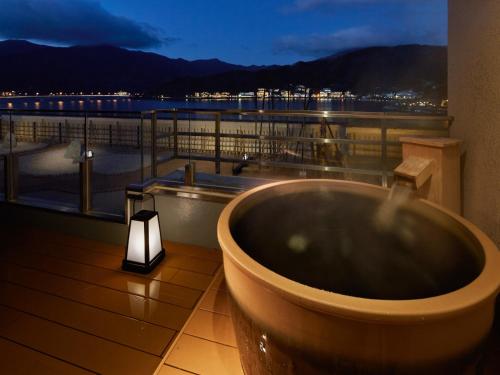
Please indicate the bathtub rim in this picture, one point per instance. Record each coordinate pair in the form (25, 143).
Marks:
(481, 290)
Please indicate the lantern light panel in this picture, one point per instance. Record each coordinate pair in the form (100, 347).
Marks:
(144, 246)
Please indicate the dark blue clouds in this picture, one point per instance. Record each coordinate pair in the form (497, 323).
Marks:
(364, 23)
(319, 45)
(238, 31)
(74, 22)
(304, 5)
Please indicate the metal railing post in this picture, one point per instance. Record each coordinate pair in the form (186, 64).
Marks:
(85, 173)
(86, 185)
(154, 172)
(11, 167)
(176, 140)
(85, 134)
(11, 131)
(383, 137)
(11, 177)
(140, 137)
(217, 143)
(260, 142)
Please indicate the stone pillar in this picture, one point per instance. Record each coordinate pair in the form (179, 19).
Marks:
(474, 97)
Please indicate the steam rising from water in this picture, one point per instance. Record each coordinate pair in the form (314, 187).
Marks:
(354, 244)
(386, 213)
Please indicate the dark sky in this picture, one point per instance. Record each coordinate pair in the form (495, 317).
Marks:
(238, 31)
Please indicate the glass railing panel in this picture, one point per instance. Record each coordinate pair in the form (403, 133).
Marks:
(114, 140)
(197, 141)
(308, 145)
(224, 146)
(48, 148)
(166, 151)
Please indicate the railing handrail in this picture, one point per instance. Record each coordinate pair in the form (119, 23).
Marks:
(69, 111)
(309, 113)
(260, 112)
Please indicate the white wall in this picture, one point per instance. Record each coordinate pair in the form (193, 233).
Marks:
(474, 101)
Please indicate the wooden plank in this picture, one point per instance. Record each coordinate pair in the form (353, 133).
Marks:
(118, 328)
(219, 281)
(16, 359)
(48, 236)
(40, 235)
(92, 258)
(166, 315)
(204, 357)
(129, 283)
(438, 142)
(113, 262)
(191, 280)
(194, 264)
(169, 370)
(73, 346)
(194, 251)
(216, 300)
(211, 326)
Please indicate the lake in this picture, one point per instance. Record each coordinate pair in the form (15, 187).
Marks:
(120, 103)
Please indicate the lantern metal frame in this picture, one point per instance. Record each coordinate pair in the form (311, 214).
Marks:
(144, 216)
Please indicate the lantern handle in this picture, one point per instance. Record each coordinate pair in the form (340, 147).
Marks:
(154, 201)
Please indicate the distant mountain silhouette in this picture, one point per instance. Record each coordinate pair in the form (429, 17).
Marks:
(13, 47)
(26, 66)
(362, 71)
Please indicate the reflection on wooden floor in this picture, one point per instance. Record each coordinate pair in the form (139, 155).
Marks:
(207, 344)
(67, 307)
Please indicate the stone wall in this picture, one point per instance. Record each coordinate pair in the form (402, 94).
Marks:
(474, 101)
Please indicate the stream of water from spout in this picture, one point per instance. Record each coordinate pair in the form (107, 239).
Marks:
(385, 216)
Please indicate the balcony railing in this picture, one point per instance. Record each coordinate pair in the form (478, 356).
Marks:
(82, 161)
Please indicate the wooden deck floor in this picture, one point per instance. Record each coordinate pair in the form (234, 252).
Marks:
(207, 343)
(66, 307)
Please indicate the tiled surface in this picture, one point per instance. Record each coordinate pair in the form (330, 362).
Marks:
(207, 344)
(66, 307)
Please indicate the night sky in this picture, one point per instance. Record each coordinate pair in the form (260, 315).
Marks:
(238, 31)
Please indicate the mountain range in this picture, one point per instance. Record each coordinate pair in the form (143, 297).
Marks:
(25, 66)
(363, 71)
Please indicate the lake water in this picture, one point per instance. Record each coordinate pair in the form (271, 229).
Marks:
(120, 103)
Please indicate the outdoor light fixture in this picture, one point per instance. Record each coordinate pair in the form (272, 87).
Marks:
(144, 247)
